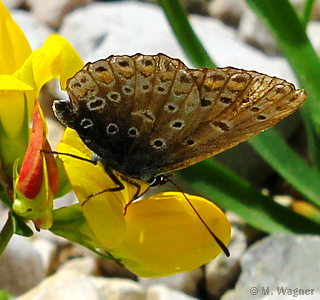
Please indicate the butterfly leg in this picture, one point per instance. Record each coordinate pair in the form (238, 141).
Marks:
(113, 177)
(135, 196)
(117, 188)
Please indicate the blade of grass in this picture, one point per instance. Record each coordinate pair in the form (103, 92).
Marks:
(264, 144)
(232, 193)
(284, 24)
(307, 12)
(188, 40)
(289, 164)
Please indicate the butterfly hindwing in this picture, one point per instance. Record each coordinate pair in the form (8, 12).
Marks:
(149, 114)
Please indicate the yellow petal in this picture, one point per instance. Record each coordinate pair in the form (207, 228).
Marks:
(13, 135)
(12, 104)
(14, 47)
(165, 236)
(11, 83)
(104, 212)
(12, 110)
(55, 59)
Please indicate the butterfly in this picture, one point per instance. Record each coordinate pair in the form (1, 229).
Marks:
(144, 116)
(147, 115)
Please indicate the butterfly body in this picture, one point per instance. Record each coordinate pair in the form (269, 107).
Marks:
(146, 115)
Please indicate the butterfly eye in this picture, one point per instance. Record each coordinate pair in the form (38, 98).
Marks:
(158, 181)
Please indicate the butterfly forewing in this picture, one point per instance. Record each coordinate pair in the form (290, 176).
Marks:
(149, 114)
(237, 112)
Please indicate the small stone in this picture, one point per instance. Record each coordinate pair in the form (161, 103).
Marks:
(64, 285)
(222, 272)
(184, 282)
(47, 250)
(110, 268)
(283, 261)
(11, 4)
(51, 12)
(161, 292)
(21, 267)
(253, 32)
(228, 11)
(118, 289)
(35, 32)
(84, 265)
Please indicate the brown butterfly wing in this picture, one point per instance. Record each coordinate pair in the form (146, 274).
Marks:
(147, 115)
(235, 105)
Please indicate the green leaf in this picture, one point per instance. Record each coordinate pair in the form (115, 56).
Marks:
(185, 34)
(209, 177)
(288, 163)
(5, 295)
(4, 197)
(20, 227)
(307, 12)
(284, 24)
(232, 193)
(64, 185)
(6, 234)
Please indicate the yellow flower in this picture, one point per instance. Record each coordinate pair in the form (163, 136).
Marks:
(22, 75)
(157, 236)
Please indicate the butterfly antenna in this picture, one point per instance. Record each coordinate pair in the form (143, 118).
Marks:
(70, 155)
(219, 242)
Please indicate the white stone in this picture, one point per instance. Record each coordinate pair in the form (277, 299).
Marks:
(313, 33)
(112, 269)
(47, 249)
(253, 32)
(10, 4)
(222, 272)
(35, 32)
(161, 292)
(131, 27)
(21, 266)
(185, 282)
(84, 265)
(62, 286)
(284, 260)
(51, 12)
(118, 289)
(229, 11)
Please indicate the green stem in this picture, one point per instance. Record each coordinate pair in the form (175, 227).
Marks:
(6, 234)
